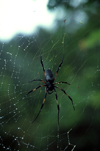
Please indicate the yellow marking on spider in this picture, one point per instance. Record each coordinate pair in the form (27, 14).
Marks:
(57, 102)
(34, 89)
(42, 85)
(67, 94)
(43, 101)
(43, 81)
(55, 75)
(57, 83)
(44, 75)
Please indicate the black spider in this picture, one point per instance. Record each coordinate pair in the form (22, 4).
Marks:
(49, 86)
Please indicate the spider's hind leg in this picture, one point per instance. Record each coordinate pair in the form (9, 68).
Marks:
(31, 91)
(67, 96)
(57, 105)
(41, 106)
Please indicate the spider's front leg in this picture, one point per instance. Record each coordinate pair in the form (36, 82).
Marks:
(37, 80)
(42, 64)
(59, 66)
(62, 82)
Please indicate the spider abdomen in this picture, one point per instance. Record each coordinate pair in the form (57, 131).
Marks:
(49, 76)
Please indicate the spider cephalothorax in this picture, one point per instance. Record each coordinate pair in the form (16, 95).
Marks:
(49, 86)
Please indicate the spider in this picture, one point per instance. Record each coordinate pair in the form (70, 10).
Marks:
(49, 86)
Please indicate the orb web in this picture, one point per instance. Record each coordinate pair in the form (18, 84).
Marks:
(20, 63)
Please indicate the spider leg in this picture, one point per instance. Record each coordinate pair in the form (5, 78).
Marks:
(67, 95)
(62, 82)
(42, 64)
(37, 80)
(57, 105)
(41, 106)
(59, 66)
(31, 91)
